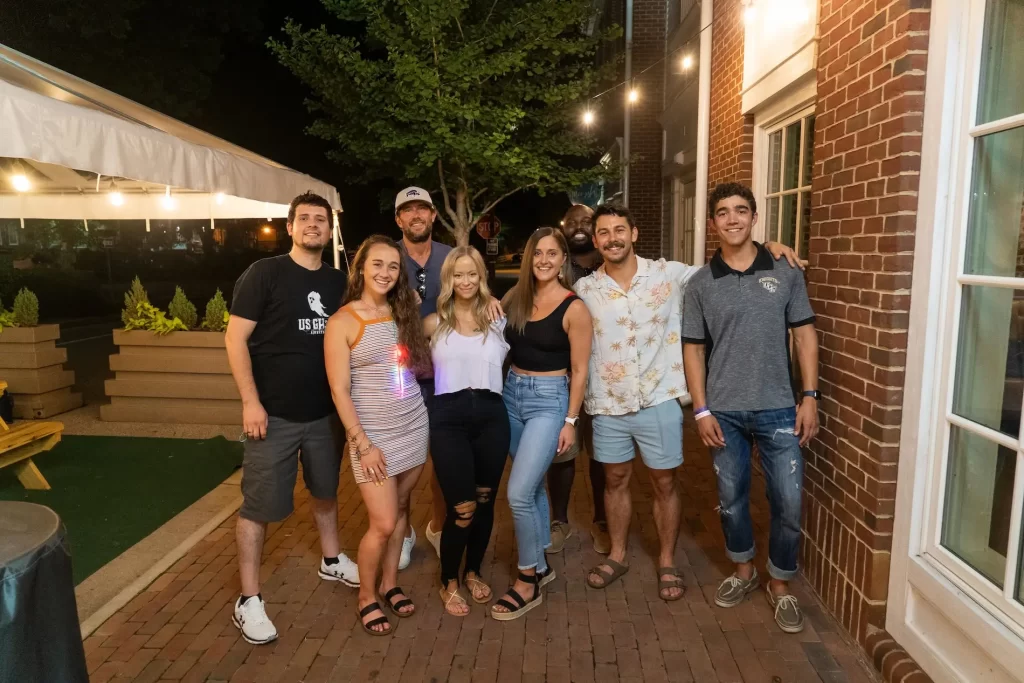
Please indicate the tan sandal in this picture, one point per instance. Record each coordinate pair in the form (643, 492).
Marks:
(447, 598)
(471, 583)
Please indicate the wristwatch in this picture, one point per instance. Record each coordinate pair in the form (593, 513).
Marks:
(812, 393)
(572, 420)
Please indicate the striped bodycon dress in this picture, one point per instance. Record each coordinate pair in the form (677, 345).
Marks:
(387, 399)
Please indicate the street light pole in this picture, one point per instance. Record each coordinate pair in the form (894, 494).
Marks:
(626, 103)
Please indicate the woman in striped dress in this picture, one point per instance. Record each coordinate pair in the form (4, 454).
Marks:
(372, 347)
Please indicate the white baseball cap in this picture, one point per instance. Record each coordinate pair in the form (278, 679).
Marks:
(412, 194)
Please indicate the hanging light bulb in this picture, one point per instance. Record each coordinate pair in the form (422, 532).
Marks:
(588, 118)
(219, 198)
(634, 95)
(749, 13)
(168, 202)
(116, 198)
(687, 62)
(21, 182)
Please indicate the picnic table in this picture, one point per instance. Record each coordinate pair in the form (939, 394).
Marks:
(18, 444)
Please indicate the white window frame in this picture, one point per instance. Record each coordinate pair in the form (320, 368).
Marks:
(953, 621)
(797, 102)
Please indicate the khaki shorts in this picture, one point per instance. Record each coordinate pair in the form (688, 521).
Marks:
(584, 430)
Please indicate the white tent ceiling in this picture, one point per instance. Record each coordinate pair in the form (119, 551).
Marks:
(78, 143)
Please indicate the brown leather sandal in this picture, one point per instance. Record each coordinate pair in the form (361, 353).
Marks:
(607, 578)
(665, 584)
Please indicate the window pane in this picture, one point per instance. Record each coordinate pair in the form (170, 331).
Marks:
(997, 197)
(774, 161)
(791, 162)
(805, 226)
(976, 519)
(1000, 94)
(808, 152)
(788, 229)
(771, 231)
(990, 358)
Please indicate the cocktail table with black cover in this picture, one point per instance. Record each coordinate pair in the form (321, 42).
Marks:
(40, 638)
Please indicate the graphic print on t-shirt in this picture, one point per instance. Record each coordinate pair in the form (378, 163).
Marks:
(314, 325)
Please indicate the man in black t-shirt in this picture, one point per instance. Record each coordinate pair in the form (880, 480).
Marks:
(275, 345)
(578, 228)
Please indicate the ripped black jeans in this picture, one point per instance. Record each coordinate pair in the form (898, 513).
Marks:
(469, 438)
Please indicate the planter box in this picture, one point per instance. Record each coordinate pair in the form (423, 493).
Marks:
(33, 368)
(179, 378)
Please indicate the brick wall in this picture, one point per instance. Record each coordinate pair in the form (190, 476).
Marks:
(646, 187)
(871, 61)
(731, 143)
(871, 64)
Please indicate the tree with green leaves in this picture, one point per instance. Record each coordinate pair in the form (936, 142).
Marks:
(478, 98)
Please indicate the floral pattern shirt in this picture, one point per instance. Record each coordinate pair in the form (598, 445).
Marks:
(637, 356)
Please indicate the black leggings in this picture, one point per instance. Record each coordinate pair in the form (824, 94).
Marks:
(469, 439)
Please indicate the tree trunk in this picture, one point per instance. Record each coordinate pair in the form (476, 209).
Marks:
(463, 215)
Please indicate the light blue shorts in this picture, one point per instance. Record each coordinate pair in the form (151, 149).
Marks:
(658, 431)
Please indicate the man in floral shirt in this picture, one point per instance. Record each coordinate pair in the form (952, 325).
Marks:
(635, 384)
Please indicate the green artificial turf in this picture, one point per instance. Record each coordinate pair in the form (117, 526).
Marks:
(111, 492)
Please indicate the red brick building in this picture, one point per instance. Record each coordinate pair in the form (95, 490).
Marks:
(884, 140)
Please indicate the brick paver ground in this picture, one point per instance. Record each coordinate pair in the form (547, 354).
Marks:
(180, 627)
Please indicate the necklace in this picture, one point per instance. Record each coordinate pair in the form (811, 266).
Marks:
(386, 308)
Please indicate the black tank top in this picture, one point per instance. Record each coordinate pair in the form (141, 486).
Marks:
(542, 346)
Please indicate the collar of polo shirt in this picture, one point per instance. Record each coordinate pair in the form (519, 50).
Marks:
(763, 261)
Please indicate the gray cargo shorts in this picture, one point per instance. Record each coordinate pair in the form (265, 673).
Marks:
(270, 466)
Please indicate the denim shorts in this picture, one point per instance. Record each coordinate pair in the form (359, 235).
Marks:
(657, 430)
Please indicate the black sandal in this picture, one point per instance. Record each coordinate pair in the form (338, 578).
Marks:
(521, 606)
(396, 606)
(379, 621)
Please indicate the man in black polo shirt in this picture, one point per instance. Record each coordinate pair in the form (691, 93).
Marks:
(738, 314)
(275, 345)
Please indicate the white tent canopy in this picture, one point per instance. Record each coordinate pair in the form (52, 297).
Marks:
(79, 143)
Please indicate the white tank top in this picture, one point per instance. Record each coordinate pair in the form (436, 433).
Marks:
(462, 362)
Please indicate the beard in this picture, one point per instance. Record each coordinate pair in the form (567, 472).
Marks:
(309, 242)
(623, 255)
(580, 242)
(414, 237)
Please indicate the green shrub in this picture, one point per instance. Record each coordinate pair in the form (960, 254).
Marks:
(149, 317)
(183, 309)
(6, 319)
(216, 318)
(132, 299)
(26, 308)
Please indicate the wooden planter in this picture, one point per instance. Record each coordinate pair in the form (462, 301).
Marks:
(33, 368)
(180, 378)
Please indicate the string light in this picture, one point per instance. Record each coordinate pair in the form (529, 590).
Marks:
(168, 202)
(21, 182)
(219, 198)
(749, 13)
(687, 62)
(588, 118)
(116, 198)
(633, 95)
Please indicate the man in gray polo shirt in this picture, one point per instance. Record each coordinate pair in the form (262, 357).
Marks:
(737, 317)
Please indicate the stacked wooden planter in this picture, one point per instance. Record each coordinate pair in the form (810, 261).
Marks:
(33, 368)
(180, 378)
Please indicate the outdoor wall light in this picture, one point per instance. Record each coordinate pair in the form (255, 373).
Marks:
(21, 182)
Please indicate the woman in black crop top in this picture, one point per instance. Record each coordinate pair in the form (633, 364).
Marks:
(549, 331)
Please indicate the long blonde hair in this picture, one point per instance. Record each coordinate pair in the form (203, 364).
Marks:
(518, 302)
(446, 300)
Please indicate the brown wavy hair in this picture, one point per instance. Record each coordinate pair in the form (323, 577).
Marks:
(518, 302)
(404, 309)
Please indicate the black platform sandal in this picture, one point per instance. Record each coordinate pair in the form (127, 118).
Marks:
(520, 607)
(379, 621)
(396, 606)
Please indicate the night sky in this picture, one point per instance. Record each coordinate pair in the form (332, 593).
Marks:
(208, 64)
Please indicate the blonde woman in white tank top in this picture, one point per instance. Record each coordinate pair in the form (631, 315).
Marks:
(372, 346)
(469, 427)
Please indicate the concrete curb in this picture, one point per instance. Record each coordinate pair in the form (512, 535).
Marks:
(104, 612)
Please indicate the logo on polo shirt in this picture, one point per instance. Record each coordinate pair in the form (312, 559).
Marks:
(770, 283)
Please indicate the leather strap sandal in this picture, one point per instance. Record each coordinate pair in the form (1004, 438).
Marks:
(520, 606)
(665, 584)
(447, 598)
(472, 583)
(379, 621)
(607, 577)
(397, 606)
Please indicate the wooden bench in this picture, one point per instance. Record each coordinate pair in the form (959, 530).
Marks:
(22, 441)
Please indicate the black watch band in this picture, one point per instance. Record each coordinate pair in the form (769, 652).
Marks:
(813, 393)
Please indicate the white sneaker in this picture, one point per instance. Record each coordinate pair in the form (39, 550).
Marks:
(345, 570)
(252, 620)
(434, 537)
(407, 545)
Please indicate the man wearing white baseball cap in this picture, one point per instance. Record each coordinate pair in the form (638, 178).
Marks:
(415, 215)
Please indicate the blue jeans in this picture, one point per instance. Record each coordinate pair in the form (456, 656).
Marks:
(783, 465)
(537, 407)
